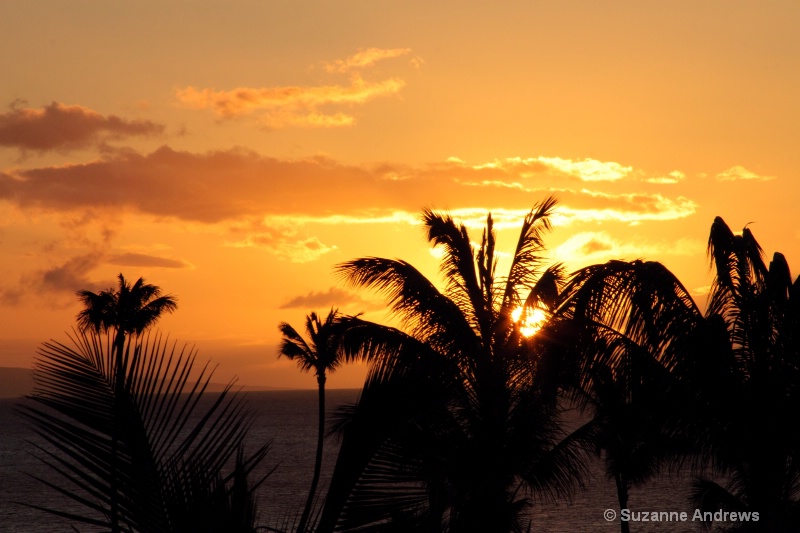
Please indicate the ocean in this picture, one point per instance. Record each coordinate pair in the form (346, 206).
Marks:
(288, 420)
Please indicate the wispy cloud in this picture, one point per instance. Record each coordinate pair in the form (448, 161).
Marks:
(365, 58)
(63, 127)
(57, 283)
(60, 281)
(676, 176)
(740, 173)
(281, 238)
(145, 260)
(315, 106)
(627, 207)
(70, 276)
(588, 169)
(585, 170)
(296, 251)
(281, 107)
(332, 298)
(599, 246)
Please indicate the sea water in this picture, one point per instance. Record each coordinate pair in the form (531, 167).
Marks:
(288, 420)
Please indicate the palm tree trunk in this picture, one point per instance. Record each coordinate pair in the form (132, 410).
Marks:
(119, 384)
(301, 528)
(622, 496)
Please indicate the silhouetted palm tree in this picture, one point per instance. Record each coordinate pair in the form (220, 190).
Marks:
(732, 374)
(322, 354)
(127, 310)
(455, 426)
(150, 455)
(752, 434)
(625, 326)
(130, 309)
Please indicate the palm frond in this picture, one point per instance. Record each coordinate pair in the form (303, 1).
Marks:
(527, 262)
(295, 347)
(118, 448)
(458, 266)
(640, 301)
(370, 480)
(423, 310)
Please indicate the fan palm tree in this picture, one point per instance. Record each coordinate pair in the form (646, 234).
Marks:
(729, 376)
(152, 454)
(454, 429)
(322, 354)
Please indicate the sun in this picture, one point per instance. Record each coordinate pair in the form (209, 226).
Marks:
(531, 319)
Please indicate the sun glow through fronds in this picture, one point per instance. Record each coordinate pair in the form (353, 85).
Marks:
(530, 319)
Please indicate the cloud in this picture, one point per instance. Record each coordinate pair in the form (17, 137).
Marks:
(332, 298)
(703, 290)
(600, 246)
(586, 206)
(57, 283)
(302, 251)
(70, 276)
(280, 237)
(282, 107)
(10, 296)
(588, 169)
(365, 58)
(585, 170)
(596, 206)
(676, 176)
(208, 188)
(239, 185)
(63, 127)
(144, 260)
(740, 173)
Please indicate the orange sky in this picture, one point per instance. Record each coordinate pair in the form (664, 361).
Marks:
(234, 152)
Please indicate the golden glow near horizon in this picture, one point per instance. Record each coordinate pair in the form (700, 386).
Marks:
(234, 153)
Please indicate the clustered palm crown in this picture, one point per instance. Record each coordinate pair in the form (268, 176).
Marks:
(452, 431)
(129, 309)
(717, 387)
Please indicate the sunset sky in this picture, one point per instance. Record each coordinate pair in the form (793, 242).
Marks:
(234, 152)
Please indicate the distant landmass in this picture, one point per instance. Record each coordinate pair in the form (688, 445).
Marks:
(16, 382)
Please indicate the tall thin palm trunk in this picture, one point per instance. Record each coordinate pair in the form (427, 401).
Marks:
(119, 389)
(622, 496)
(301, 528)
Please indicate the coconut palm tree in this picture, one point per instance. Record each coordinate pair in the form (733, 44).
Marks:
(751, 435)
(127, 310)
(130, 309)
(729, 376)
(322, 354)
(624, 326)
(455, 429)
